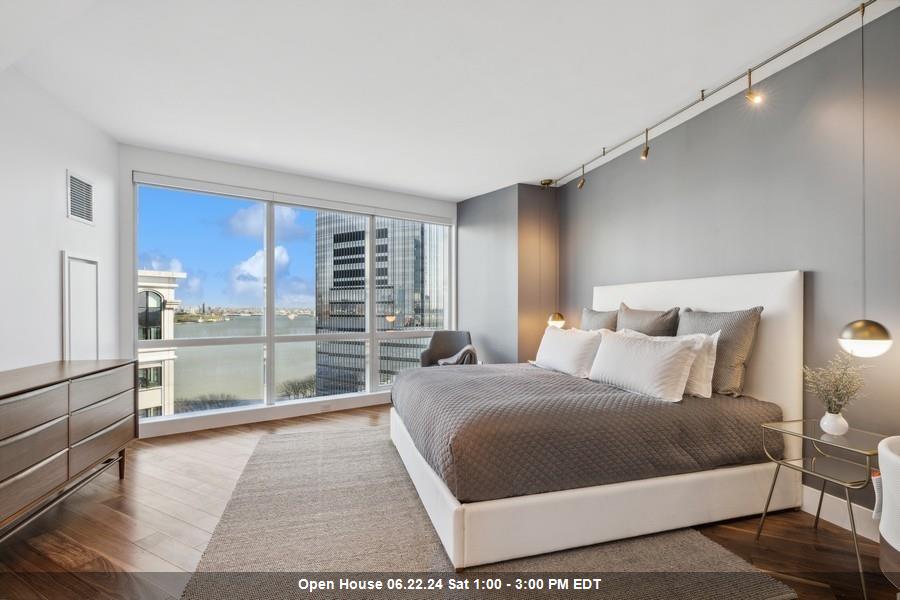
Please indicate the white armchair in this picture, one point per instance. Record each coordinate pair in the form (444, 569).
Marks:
(889, 463)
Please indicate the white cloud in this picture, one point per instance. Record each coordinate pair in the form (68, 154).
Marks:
(194, 286)
(281, 259)
(251, 222)
(247, 276)
(157, 262)
(286, 225)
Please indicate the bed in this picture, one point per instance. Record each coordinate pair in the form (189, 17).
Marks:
(513, 460)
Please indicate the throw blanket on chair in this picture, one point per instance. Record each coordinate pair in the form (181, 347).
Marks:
(466, 356)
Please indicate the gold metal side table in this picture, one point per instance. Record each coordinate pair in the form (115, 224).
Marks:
(853, 472)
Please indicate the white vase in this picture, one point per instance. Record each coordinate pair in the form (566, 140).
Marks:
(834, 423)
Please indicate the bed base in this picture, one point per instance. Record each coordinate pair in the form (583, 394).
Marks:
(477, 533)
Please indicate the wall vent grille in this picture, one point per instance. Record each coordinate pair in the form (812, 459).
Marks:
(81, 199)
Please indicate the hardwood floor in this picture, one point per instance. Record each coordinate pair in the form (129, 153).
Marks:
(141, 537)
(817, 563)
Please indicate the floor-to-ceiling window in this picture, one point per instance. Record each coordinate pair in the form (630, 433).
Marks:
(245, 301)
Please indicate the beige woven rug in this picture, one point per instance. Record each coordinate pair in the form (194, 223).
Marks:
(327, 506)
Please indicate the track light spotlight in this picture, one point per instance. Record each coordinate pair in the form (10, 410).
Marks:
(581, 181)
(752, 96)
(646, 151)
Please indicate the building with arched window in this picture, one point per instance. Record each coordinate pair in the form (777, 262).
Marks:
(150, 306)
(156, 307)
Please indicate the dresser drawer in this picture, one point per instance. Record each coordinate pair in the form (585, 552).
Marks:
(34, 408)
(94, 388)
(95, 417)
(26, 487)
(25, 449)
(100, 445)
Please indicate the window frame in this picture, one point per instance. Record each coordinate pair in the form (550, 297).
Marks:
(270, 339)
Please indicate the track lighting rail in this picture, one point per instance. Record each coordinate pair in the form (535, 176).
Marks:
(706, 93)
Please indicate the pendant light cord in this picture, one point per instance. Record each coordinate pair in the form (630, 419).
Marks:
(862, 79)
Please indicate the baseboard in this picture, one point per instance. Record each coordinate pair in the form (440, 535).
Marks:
(255, 414)
(834, 510)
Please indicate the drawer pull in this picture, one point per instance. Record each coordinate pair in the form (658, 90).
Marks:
(91, 389)
(23, 489)
(24, 450)
(30, 432)
(102, 431)
(31, 469)
(100, 415)
(100, 404)
(100, 445)
(29, 410)
(32, 393)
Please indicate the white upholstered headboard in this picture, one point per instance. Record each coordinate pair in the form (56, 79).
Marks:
(775, 370)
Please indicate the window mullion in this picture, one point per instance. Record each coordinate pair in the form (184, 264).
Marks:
(450, 279)
(269, 371)
(372, 371)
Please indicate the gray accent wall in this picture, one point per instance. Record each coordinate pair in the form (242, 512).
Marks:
(538, 230)
(487, 267)
(507, 270)
(743, 189)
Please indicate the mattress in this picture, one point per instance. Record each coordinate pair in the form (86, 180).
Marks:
(498, 431)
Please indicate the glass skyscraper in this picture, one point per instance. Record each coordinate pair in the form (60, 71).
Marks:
(410, 283)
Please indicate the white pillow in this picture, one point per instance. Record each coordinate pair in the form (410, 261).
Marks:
(657, 368)
(699, 381)
(568, 350)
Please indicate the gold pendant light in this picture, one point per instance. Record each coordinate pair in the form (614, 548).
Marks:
(864, 337)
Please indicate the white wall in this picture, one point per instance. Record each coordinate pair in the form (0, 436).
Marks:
(321, 192)
(39, 139)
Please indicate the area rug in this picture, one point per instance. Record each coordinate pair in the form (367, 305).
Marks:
(335, 515)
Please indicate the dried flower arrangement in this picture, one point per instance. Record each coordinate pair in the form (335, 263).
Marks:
(836, 384)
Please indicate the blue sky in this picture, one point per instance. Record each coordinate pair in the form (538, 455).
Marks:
(218, 242)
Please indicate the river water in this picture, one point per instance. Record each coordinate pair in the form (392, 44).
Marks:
(238, 370)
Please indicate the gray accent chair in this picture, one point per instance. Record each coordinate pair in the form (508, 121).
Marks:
(447, 344)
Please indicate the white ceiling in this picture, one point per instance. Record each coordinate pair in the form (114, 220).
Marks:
(25, 24)
(441, 99)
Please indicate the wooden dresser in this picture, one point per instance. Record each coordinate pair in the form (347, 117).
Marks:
(59, 422)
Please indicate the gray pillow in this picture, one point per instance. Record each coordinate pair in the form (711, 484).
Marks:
(648, 322)
(598, 319)
(738, 332)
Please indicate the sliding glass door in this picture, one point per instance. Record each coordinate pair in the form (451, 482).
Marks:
(248, 301)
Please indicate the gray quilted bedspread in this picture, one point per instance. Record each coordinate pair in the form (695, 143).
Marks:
(497, 431)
